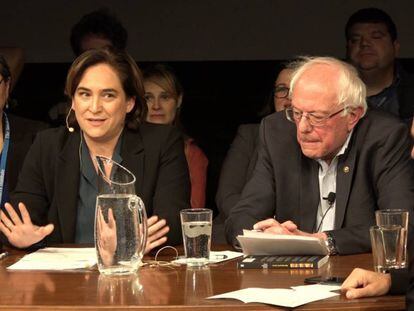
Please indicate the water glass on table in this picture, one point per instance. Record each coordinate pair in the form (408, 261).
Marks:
(396, 217)
(196, 228)
(387, 247)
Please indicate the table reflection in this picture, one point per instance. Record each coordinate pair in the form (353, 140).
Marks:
(40, 285)
(119, 290)
(159, 284)
(197, 285)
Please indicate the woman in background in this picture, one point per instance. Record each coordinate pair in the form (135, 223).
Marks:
(164, 95)
(57, 188)
(241, 158)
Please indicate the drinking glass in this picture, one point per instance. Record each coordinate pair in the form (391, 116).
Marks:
(196, 227)
(387, 247)
(120, 220)
(395, 217)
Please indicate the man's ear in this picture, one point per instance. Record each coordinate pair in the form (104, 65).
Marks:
(354, 115)
(396, 45)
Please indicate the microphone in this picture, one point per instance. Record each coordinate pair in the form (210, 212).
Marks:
(330, 198)
(70, 128)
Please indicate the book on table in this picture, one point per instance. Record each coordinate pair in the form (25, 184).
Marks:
(282, 262)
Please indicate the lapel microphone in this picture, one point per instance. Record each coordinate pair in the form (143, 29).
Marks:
(331, 200)
(70, 128)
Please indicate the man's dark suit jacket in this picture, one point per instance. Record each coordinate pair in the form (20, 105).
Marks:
(22, 135)
(49, 181)
(375, 172)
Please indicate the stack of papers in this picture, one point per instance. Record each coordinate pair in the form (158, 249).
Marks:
(291, 298)
(260, 243)
(53, 258)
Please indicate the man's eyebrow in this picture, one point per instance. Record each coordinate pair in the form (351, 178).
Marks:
(374, 32)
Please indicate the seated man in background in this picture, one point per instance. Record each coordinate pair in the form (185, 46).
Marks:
(332, 168)
(95, 30)
(372, 47)
(98, 29)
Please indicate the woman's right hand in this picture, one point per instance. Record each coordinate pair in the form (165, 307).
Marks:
(22, 232)
(157, 229)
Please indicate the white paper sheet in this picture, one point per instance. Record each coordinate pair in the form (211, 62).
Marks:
(281, 297)
(53, 258)
(215, 257)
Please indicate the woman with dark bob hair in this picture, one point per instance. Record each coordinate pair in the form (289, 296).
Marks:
(57, 187)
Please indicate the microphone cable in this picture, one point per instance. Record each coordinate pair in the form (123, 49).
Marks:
(331, 200)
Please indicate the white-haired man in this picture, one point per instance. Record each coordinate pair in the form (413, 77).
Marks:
(325, 167)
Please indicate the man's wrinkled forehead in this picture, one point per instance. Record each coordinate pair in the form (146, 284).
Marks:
(369, 27)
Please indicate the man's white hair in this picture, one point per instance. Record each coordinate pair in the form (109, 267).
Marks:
(351, 90)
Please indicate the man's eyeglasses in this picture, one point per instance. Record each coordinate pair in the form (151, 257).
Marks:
(294, 115)
(281, 91)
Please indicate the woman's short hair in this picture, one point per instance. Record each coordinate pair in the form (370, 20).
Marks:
(351, 89)
(128, 72)
(165, 77)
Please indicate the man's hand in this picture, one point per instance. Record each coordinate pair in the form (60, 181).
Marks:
(271, 225)
(22, 233)
(157, 229)
(364, 283)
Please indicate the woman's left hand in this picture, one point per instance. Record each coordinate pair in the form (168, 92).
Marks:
(157, 229)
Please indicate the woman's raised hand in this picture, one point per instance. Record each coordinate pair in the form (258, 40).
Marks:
(22, 232)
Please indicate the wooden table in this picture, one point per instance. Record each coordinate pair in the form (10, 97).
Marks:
(161, 288)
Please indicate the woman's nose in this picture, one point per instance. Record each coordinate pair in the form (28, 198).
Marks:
(156, 104)
(95, 105)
